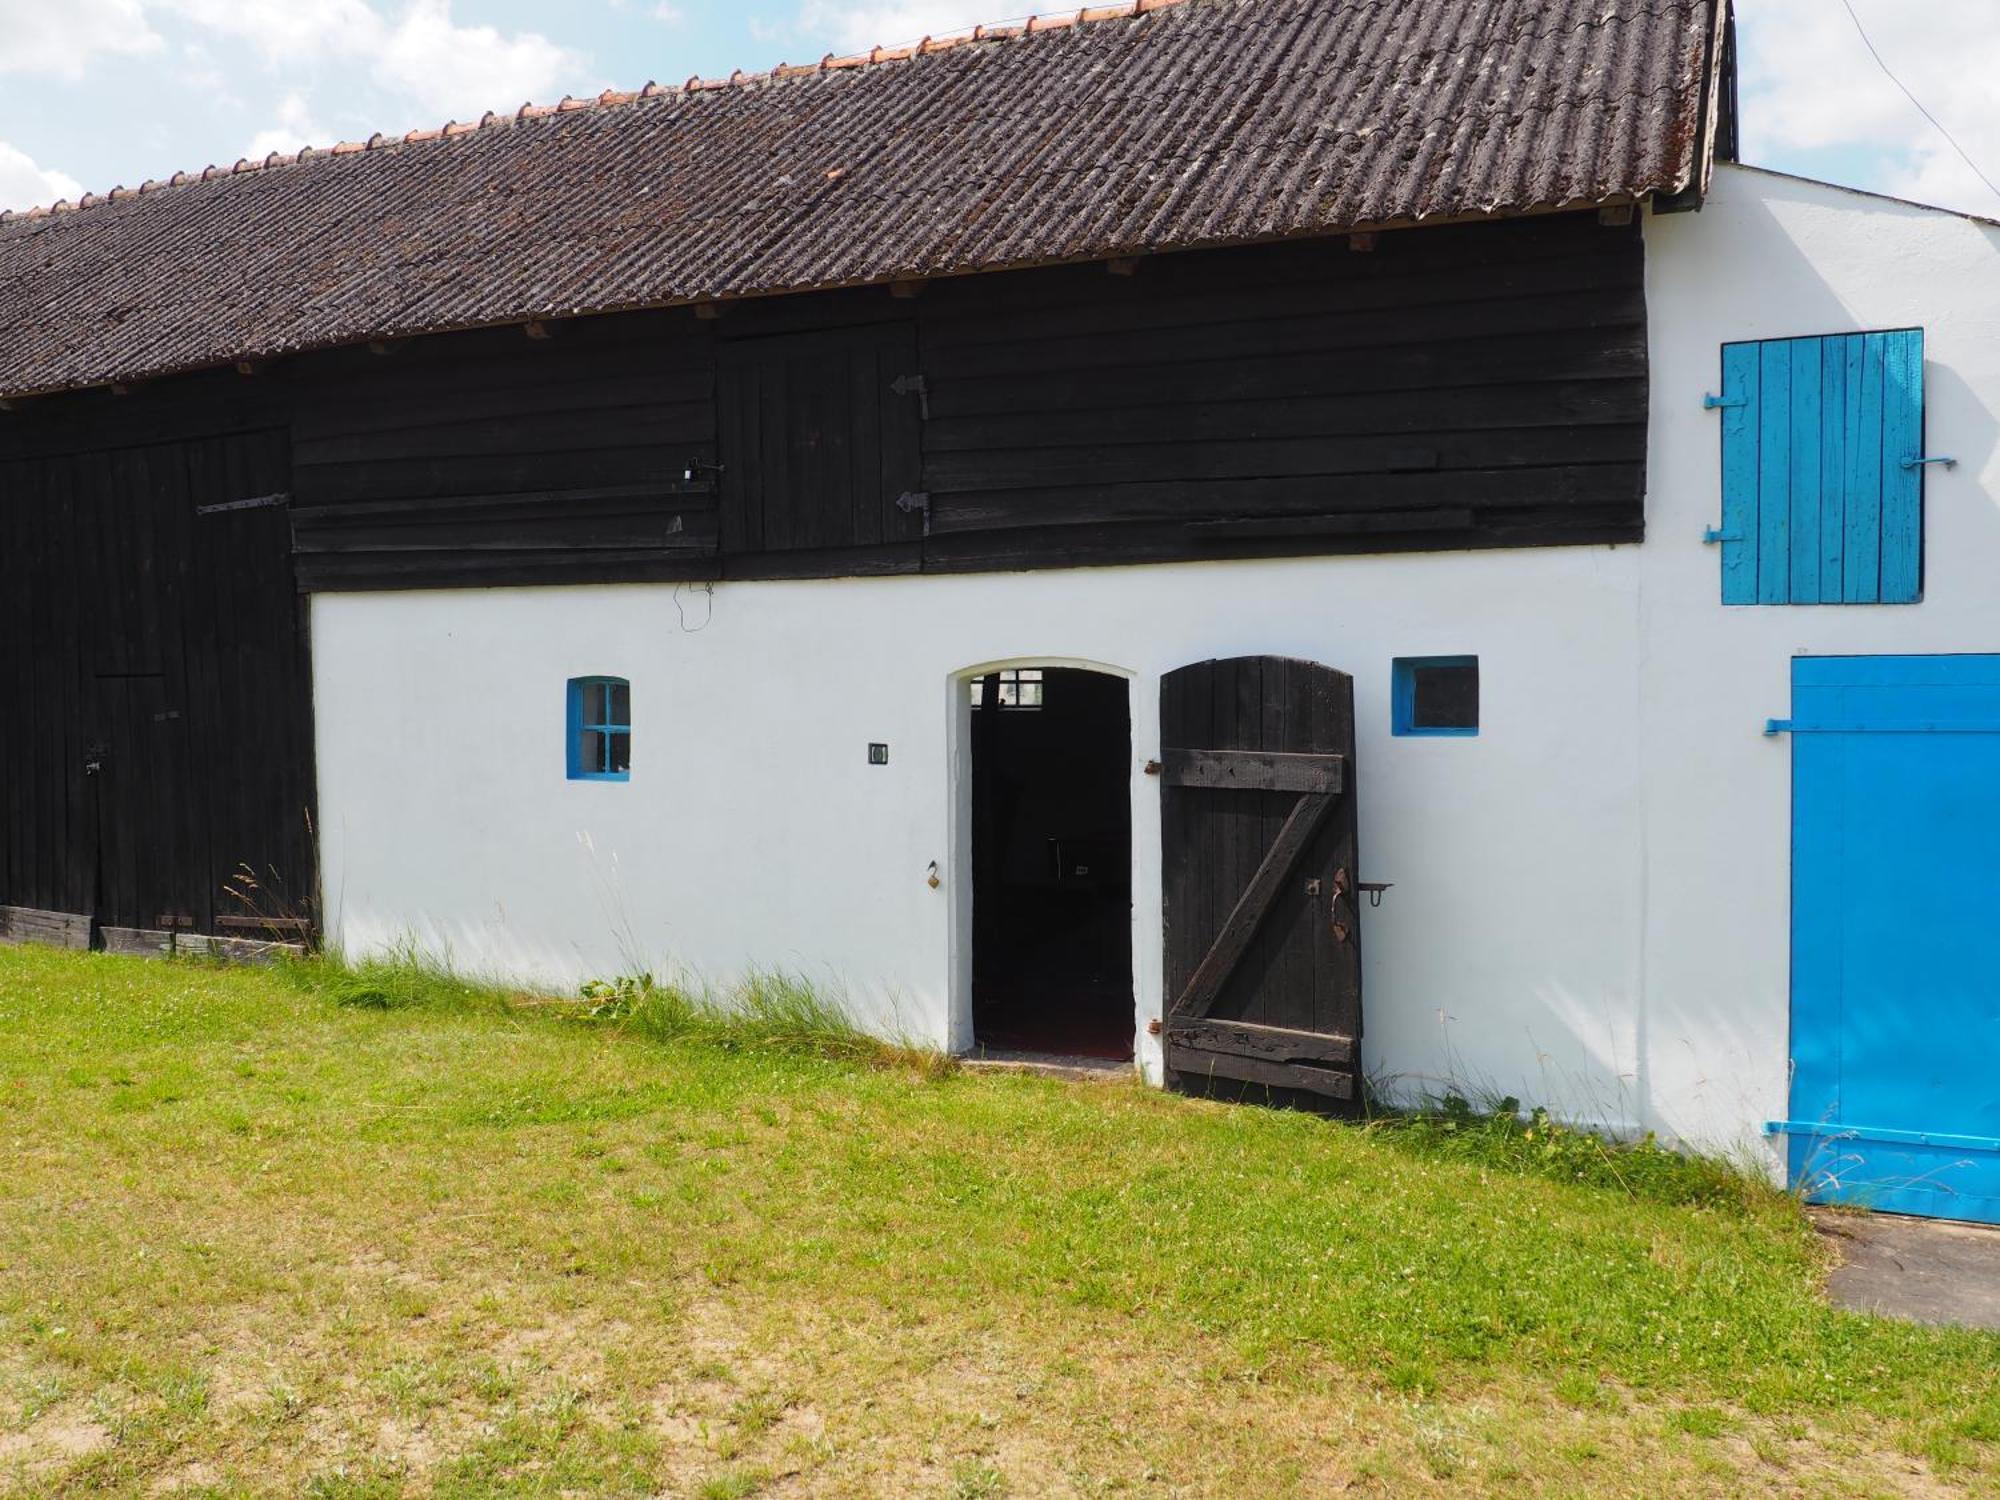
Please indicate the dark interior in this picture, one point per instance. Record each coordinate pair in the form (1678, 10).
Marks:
(1052, 863)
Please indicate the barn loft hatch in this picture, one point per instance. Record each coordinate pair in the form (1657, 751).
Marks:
(1052, 863)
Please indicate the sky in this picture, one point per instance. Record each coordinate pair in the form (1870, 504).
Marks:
(102, 93)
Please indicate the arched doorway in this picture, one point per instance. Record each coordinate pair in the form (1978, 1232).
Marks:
(1051, 861)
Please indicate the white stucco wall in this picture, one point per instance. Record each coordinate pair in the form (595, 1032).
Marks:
(1591, 897)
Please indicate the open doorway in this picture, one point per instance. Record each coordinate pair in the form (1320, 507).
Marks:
(1052, 862)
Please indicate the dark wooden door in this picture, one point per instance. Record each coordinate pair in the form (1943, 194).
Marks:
(820, 439)
(1263, 937)
(156, 724)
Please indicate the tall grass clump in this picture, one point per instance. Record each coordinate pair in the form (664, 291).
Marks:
(1451, 1128)
(402, 979)
(769, 1010)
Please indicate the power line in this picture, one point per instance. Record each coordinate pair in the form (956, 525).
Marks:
(1890, 74)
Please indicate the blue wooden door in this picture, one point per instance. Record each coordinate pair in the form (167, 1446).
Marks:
(1895, 1100)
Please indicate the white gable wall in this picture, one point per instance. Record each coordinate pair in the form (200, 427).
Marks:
(1591, 897)
(1771, 257)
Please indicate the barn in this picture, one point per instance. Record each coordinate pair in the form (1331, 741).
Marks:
(1306, 544)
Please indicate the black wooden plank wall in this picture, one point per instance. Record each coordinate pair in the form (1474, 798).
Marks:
(156, 738)
(1466, 386)
(492, 457)
(1482, 385)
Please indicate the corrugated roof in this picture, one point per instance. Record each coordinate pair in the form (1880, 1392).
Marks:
(1110, 133)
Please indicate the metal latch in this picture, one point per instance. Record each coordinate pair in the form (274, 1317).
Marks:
(1710, 403)
(1913, 462)
(904, 385)
(1710, 536)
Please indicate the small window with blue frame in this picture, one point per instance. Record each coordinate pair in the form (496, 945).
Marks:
(600, 729)
(1435, 695)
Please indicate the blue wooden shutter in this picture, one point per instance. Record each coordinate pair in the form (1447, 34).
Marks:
(1822, 497)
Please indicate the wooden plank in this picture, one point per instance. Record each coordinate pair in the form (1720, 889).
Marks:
(1774, 474)
(1836, 354)
(1251, 908)
(1280, 497)
(138, 942)
(240, 950)
(1861, 558)
(1197, 305)
(1441, 319)
(1807, 496)
(1253, 770)
(1334, 1085)
(56, 929)
(1251, 457)
(1359, 524)
(1272, 1043)
(1393, 366)
(1902, 488)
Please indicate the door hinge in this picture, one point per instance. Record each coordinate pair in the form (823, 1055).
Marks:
(255, 502)
(916, 500)
(904, 385)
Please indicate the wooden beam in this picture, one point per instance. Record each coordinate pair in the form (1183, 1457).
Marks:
(1255, 770)
(58, 929)
(708, 312)
(1227, 951)
(1124, 265)
(378, 346)
(1365, 240)
(905, 289)
(247, 367)
(535, 328)
(1272, 1043)
(1256, 1070)
(1615, 215)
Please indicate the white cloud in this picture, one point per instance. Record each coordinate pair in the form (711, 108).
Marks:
(857, 25)
(288, 31)
(61, 36)
(462, 71)
(295, 128)
(25, 185)
(669, 13)
(1810, 84)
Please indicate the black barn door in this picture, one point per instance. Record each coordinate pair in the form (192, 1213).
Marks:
(1263, 939)
(155, 698)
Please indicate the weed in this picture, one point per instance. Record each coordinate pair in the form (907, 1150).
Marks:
(733, 1484)
(1451, 1129)
(973, 1479)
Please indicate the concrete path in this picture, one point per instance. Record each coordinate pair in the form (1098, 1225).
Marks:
(1926, 1270)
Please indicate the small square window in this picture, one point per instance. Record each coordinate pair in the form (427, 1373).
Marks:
(600, 729)
(1437, 695)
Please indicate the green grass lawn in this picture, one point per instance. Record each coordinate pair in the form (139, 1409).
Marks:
(254, 1240)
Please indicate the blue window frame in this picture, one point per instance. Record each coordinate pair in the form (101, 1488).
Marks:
(1434, 695)
(600, 729)
(1823, 469)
